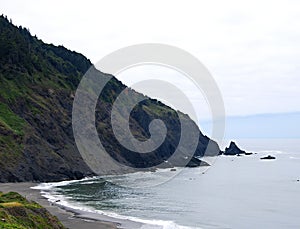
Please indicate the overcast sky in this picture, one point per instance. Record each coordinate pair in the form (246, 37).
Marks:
(252, 48)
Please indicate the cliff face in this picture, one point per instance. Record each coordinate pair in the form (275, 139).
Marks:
(38, 82)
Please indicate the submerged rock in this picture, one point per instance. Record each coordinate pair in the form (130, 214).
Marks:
(269, 157)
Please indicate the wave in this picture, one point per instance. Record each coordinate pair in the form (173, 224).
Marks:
(276, 152)
(50, 186)
(295, 158)
(49, 191)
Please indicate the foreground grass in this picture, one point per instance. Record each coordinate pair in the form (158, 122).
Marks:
(17, 212)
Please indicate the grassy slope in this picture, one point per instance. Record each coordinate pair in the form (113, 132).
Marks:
(17, 212)
(36, 82)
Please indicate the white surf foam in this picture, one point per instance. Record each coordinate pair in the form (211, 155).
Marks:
(48, 190)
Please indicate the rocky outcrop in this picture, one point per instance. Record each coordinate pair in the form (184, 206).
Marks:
(196, 162)
(269, 157)
(233, 150)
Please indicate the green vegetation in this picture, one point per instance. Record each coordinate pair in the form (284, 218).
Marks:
(10, 120)
(158, 109)
(17, 212)
(36, 80)
(37, 88)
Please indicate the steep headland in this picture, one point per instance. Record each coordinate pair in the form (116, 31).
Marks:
(38, 82)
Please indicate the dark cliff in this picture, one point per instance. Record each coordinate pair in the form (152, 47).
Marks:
(38, 82)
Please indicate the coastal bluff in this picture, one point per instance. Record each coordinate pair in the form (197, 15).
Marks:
(38, 84)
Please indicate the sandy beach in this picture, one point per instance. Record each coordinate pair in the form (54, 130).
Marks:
(70, 218)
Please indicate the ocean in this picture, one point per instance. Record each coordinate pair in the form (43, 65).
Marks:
(235, 192)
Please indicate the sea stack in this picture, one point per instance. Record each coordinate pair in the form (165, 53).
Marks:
(233, 150)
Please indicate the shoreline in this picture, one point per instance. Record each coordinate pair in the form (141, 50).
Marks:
(69, 217)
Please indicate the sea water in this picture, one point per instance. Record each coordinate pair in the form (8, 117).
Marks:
(235, 192)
